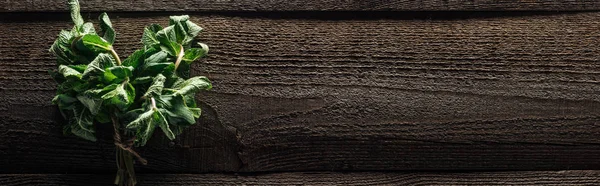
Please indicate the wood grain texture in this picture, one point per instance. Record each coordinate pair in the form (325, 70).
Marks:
(579, 178)
(501, 93)
(301, 5)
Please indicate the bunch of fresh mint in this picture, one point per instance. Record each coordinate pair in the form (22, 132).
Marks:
(149, 89)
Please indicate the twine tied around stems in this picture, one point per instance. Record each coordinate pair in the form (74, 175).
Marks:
(127, 145)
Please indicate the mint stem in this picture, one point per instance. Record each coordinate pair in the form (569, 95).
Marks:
(116, 56)
(179, 57)
(125, 173)
(153, 104)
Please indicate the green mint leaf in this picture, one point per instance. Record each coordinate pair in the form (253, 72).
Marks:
(78, 68)
(170, 39)
(192, 85)
(180, 33)
(91, 100)
(145, 128)
(109, 78)
(178, 19)
(60, 46)
(178, 129)
(172, 48)
(88, 28)
(192, 30)
(85, 134)
(204, 47)
(196, 112)
(106, 29)
(190, 101)
(164, 125)
(94, 43)
(117, 73)
(193, 54)
(171, 110)
(70, 71)
(64, 101)
(120, 95)
(147, 122)
(140, 122)
(156, 87)
(158, 57)
(155, 27)
(155, 64)
(102, 117)
(64, 44)
(184, 70)
(80, 86)
(149, 37)
(135, 59)
(167, 34)
(82, 122)
(176, 110)
(70, 86)
(142, 80)
(97, 66)
(75, 14)
(57, 77)
(82, 118)
(142, 116)
(107, 89)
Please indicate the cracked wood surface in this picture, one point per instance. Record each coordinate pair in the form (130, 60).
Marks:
(302, 5)
(295, 94)
(575, 177)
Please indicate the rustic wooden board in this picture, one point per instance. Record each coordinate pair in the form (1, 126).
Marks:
(301, 5)
(500, 93)
(579, 178)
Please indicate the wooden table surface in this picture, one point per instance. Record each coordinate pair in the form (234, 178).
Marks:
(333, 92)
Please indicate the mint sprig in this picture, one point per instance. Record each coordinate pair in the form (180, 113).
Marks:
(149, 89)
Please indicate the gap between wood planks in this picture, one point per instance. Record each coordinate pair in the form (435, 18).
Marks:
(574, 177)
(306, 15)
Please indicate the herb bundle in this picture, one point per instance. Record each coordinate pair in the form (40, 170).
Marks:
(151, 88)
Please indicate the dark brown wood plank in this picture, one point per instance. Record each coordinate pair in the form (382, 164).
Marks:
(298, 5)
(583, 177)
(501, 93)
